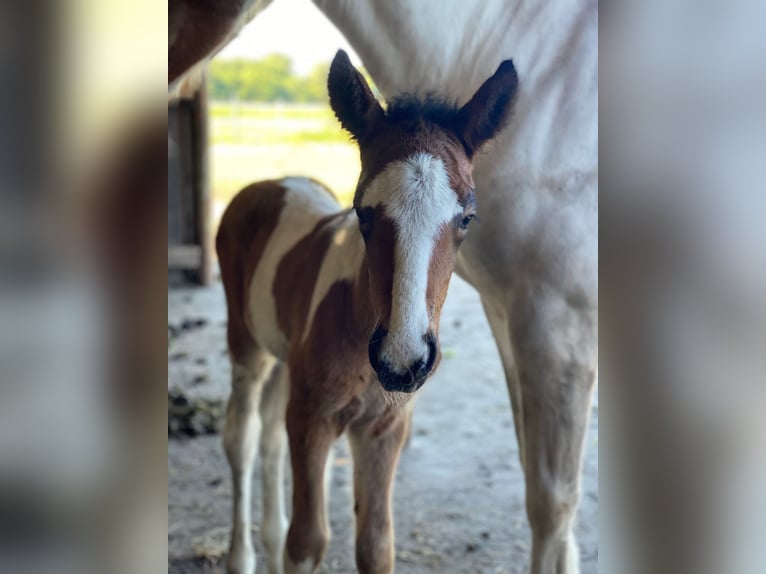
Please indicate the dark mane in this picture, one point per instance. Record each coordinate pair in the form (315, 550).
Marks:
(411, 109)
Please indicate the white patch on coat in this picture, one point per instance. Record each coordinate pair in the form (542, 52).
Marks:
(306, 202)
(417, 196)
(342, 261)
(273, 448)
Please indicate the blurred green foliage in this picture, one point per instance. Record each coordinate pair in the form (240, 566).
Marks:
(270, 79)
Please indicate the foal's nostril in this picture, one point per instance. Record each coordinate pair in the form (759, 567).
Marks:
(373, 348)
(419, 370)
(430, 340)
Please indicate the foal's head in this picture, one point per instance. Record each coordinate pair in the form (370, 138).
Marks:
(415, 201)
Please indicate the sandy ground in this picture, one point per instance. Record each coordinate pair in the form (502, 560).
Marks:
(459, 494)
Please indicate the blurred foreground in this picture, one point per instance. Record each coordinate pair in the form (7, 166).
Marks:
(83, 286)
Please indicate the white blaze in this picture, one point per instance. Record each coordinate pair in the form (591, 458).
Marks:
(417, 197)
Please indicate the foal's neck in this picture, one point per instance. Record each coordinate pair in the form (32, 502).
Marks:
(360, 314)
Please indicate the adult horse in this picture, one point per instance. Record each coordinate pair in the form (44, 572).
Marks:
(533, 254)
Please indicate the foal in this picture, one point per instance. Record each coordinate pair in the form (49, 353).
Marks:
(349, 302)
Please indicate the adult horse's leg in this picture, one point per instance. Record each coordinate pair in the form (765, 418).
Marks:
(554, 340)
(376, 446)
(498, 321)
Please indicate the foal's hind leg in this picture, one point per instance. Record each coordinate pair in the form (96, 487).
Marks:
(376, 447)
(554, 344)
(240, 440)
(273, 448)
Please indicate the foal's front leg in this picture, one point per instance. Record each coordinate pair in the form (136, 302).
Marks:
(311, 437)
(376, 446)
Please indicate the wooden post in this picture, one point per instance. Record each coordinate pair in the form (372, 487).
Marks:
(202, 182)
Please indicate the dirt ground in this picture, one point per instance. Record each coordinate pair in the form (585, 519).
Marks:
(459, 493)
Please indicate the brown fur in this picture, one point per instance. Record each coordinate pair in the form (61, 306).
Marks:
(439, 274)
(380, 260)
(195, 29)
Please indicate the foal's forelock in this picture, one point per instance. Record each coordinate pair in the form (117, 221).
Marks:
(416, 196)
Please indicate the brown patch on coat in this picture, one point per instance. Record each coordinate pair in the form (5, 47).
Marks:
(297, 274)
(380, 257)
(246, 226)
(440, 272)
(331, 372)
(331, 367)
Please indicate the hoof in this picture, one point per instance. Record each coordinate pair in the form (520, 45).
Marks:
(241, 561)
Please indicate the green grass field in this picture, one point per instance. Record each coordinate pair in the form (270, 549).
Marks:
(250, 142)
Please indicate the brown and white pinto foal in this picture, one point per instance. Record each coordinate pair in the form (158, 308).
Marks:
(349, 301)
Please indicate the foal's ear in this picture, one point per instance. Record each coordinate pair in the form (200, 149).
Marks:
(489, 110)
(351, 98)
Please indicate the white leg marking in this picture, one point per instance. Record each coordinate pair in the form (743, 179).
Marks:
(573, 554)
(273, 448)
(548, 555)
(241, 435)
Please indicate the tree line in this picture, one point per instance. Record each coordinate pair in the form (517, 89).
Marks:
(270, 79)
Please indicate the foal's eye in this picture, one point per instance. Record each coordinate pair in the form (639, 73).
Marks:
(466, 221)
(365, 222)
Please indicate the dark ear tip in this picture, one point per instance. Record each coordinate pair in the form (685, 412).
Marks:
(340, 67)
(507, 69)
(341, 58)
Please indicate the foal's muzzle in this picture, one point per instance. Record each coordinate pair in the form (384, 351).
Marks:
(412, 378)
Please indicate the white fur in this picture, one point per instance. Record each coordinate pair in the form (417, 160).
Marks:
(536, 185)
(241, 436)
(306, 203)
(417, 196)
(273, 448)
